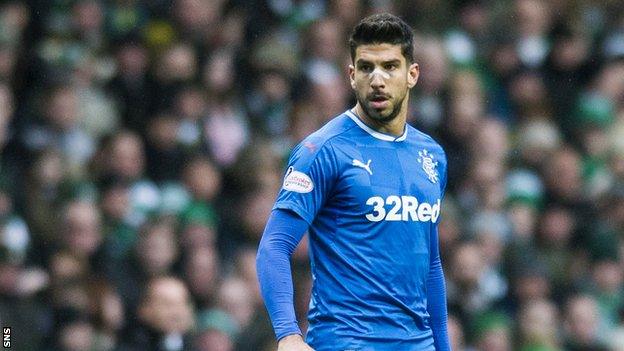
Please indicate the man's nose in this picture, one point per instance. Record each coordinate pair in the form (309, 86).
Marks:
(377, 79)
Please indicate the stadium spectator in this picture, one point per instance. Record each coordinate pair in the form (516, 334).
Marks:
(154, 254)
(202, 274)
(165, 318)
(581, 324)
(538, 326)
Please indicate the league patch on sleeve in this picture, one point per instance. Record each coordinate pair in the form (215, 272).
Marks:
(297, 181)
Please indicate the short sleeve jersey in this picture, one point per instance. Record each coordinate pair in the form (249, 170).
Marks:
(373, 204)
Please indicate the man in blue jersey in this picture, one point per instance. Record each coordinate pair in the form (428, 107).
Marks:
(367, 187)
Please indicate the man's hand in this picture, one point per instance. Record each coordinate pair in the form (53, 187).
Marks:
(293, 343)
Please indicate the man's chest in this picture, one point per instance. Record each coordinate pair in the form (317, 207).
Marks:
(388, 184)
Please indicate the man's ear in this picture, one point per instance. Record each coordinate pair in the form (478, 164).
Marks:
(352, 76)
(412, 75)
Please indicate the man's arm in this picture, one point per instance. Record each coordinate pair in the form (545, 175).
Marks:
(436, 297)
(283, 232)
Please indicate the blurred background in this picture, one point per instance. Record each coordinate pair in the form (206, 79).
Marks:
(143, 144)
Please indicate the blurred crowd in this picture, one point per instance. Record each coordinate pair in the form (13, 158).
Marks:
(143, 144)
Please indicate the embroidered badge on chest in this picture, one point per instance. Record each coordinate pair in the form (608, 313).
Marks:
(428, 165)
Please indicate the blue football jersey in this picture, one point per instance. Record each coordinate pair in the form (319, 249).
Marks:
(373, 204)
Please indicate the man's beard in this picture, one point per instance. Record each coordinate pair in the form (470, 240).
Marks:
(375, 114)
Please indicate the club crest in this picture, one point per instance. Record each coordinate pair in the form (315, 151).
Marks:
(428, 165)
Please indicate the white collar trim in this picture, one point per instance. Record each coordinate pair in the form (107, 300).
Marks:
(374, 133)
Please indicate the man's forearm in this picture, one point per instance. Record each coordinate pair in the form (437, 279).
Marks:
(283, 232)
(436, 306)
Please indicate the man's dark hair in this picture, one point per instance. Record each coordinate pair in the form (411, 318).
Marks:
(383, 28)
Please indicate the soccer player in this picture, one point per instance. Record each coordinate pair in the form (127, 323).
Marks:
(367, 187)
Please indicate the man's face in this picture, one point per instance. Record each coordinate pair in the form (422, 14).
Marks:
(381, 78)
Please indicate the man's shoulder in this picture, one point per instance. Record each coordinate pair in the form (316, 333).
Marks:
(426, 141)
(336, 127)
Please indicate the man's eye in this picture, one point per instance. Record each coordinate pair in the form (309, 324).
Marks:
(390, 67)
(366, 68)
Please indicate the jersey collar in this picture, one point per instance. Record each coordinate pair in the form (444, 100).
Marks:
(374, 133)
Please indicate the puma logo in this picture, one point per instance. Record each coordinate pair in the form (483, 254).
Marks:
(358, 163)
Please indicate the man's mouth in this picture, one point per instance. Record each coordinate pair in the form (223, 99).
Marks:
(379, 101)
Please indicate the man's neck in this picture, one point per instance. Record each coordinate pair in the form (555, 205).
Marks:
(395, 127)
